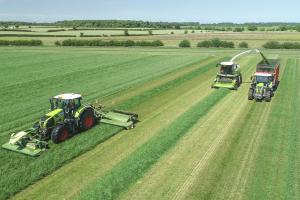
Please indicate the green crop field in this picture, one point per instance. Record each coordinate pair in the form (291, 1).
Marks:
(192, 141)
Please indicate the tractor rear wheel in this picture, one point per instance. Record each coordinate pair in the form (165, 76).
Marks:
(87, 120)
(251, 94)
(59, 134)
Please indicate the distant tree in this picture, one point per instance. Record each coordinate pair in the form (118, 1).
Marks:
(243, 45)
(185, 44)
(126, 33)
(193, 31)
(282, 28)
(74, 28)
(81, 34)
(297, 28)
(252, 28)
(238, 29)
(172, 33)
(186, 32)
(272, 45)
(16, 26)
(6, 26)
(57, 43)
(150, 32)
(177, 27)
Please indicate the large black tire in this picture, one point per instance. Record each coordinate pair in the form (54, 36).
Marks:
(268, 96)
(251, 94)
(87, 119)
(59, 134)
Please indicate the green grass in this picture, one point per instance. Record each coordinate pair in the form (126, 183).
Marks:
(135, 165)
(30, 77)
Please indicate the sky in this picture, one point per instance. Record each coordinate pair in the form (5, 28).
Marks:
(203, 11)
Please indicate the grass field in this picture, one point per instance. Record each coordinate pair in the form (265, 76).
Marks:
(192, 142)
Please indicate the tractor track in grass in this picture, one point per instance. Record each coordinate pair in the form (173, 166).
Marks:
(167, 171)
(126, 141)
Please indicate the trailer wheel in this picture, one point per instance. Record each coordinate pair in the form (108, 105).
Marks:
(250, 94)
(59, 134)
(87, 120)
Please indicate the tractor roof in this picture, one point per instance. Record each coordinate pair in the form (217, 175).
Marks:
(227, 63)
(262, 74)
(68, 96)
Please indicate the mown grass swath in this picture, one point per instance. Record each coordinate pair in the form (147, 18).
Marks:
(134, 166)
(18, 171)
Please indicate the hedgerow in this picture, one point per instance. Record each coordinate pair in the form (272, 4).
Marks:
(278, 45)
(21, 43)
(184, 44)
(215, 43)
(101, 43)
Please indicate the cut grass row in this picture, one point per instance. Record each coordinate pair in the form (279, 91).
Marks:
(29, 170)
(134, 167)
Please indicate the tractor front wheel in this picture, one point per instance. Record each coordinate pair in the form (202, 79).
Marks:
(251, 94)
(87, 120)
(60, 134)
(268, 96)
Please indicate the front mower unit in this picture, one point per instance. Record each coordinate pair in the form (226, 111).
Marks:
(22, 142)
(119, 118)
(225, 81)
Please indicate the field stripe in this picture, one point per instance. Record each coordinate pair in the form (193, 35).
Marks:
(132, 168)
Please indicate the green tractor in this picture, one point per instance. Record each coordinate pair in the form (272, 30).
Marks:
(261, 87)
(67, 117)
(229, 76)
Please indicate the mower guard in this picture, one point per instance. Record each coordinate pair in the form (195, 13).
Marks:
(119, 118)
(24, 150)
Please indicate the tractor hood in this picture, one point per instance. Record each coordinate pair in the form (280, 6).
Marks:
(54, 112)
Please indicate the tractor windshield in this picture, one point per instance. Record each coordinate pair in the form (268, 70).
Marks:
(226, 69)
(263, 79)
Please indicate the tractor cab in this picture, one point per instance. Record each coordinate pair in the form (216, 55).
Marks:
(67, 102)
(265, 79)
(227, 68)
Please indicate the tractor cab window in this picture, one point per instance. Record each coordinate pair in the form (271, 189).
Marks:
(65, 104)
(262, 79)
(226, 69)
